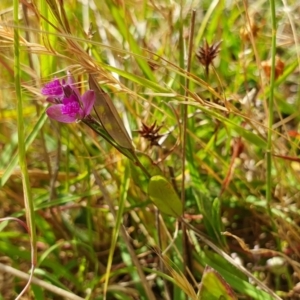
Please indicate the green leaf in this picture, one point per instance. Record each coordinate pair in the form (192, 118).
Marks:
(163, 195)
(214, 287)
(138, 176)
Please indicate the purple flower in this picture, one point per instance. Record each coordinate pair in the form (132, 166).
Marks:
(68, 105)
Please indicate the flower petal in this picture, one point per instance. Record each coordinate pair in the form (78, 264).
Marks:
(53, 89)
(70, 78)
(71, 82)
(55, 112)
(88, 100)
(67, 100)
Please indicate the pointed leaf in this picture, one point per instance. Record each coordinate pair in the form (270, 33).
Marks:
(109, 116)
(163, 195)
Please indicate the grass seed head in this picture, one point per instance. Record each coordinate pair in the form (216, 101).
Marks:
(207, 53)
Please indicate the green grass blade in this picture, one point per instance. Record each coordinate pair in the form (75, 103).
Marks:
(118, 221)
(28, 200)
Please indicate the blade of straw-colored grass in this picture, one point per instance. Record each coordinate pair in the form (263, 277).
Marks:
(47, 286)
(119, 217)
(28, 201)
(269, 190)
(31, 137)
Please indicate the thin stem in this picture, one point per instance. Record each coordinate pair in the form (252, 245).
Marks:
(43, 284)
(184, 116)
(270, 116)
(29, 208)
(184, 140)
(129, 153)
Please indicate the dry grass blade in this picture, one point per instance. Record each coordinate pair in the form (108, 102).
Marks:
(184, 284)
(54, 289)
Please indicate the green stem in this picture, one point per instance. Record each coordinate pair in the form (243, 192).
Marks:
(29, 208)
(129, 153)
(270, 116)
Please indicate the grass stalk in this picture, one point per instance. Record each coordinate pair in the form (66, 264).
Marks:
(184, 140)
(29, 208)
(43, 284)
(270, 115)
